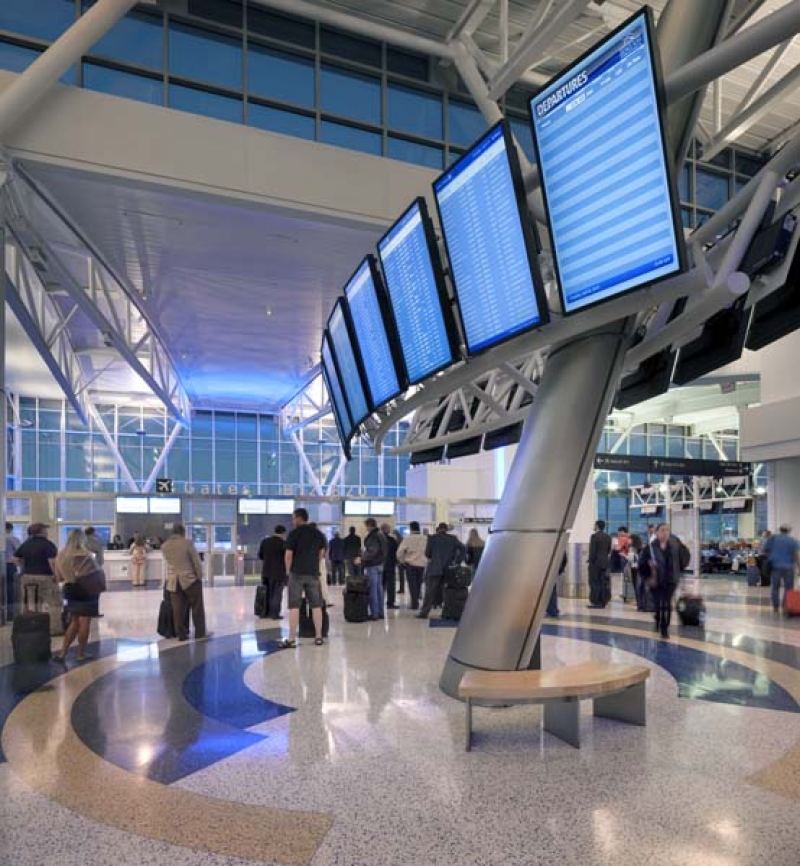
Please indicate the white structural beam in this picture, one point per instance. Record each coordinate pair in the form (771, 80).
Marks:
(162, 457)
(743, 121)
(119, 460)
(471, 18)
(46, 70)
(45, 325)
(763, 77)
(533, 44)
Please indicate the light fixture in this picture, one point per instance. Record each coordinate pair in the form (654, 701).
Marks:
(662, 488)
(720, 488)
(760, 491)
(613, 486)
(269, 311)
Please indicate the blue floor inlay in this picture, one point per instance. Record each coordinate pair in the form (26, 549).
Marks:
(18, 681)
(179, 712)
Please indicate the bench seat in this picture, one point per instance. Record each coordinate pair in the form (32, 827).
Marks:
(617, 690)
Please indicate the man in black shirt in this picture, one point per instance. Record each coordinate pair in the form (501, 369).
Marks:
(599, 555)
(442, 550)
(272, 553)
(390, 567)
(305, 547)
(35, 556)
(352, 551)
(337, 555)
(372, 560)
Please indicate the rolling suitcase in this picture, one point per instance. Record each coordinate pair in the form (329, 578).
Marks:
(691, 610)
(261, 604)
(358, 583)
(458, 577)
(453, 601)
(30, 634)
(306, 626)
(166, 622)
(356, 606)
(793, 602)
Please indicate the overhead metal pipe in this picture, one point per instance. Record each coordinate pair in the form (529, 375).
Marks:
(29, 87)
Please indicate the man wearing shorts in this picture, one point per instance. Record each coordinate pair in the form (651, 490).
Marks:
(305, 547)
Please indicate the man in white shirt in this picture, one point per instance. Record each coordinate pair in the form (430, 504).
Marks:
(411, 554)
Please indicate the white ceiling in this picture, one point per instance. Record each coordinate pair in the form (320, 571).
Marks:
(239, 293)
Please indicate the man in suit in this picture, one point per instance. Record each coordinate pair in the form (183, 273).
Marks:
(272, 552)
(599, 553)
(442, 550)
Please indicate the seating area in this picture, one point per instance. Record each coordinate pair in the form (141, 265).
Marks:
(617, 690)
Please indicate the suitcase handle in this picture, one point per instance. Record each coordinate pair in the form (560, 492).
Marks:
(35, 588)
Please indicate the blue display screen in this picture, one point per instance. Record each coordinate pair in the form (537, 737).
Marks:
(486, 244)
(414, 294)
(373, 341)
(348, 368)
(604, 172)
(340, 411)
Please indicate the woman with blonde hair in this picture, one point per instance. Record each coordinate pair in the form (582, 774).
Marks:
(139, 561)
(76, 568)
(475, 545)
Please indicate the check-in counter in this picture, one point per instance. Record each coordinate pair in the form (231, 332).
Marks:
(117, 566)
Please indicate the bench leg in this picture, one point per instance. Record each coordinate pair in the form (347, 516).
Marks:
(562, 720)
(626, 706)
(469, 725)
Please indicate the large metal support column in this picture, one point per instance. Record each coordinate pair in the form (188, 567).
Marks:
(45, 71)
(3, 407)
(503, 616)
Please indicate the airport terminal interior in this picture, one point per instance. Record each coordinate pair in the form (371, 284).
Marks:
(503, 298)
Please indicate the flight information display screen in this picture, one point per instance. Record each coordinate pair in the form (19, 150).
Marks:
(383, 382)
(420, 308)
(606, 177)
(490, 242)
(340, 411)
(349, 374)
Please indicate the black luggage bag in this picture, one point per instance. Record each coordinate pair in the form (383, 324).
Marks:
(166, 622)
(356, 606)
(458, 577)
(453, 601)
(261, 604)
(358, 583)
(306, 626)
(691, 610)
(30, 634)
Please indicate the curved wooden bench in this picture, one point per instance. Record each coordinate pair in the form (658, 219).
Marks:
(618, 692)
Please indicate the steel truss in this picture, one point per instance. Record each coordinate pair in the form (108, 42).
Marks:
(652, 497)
(76, 293)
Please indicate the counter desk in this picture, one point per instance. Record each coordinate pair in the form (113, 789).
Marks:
(117, 564)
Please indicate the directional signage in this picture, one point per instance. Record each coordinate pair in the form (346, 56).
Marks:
(671, 465)
(164, 485)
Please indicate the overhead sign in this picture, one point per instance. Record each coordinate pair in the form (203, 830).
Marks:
(671, 465)
(164, 485)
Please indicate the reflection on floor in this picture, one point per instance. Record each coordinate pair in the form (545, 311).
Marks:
(232, 752)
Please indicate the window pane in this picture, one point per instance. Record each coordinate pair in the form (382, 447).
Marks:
(348, 136)
(227, 12)
(684, 179)
(687, 217)
(522, 132)
(205, 56)
(351, 95)
(44, 19)
(748, 165)
(135, 39)
(415, 112)
(123, 84)
(280, 27)
(712, 189)
(276, 75)
(405, 63)
(465, 123)
(209, 104)
(286, 122)
(409, 151)
(350, 47)
(453, 155)
(15, 57)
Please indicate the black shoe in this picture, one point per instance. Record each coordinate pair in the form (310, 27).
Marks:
(392, 607)
(665, 632)
(421, 616)
(373, 618)
(594, 606)
(413, 607)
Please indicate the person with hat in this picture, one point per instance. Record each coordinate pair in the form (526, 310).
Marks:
(36, 557)
(442, 550)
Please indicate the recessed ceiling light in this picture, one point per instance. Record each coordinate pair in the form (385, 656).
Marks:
(269, 311)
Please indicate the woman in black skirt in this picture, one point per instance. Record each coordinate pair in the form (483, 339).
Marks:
(75, 564)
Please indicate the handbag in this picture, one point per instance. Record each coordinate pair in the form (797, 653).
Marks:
(651, 582)
(93, 582)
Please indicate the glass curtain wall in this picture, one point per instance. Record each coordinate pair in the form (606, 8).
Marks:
(239, 62)
(226, 451)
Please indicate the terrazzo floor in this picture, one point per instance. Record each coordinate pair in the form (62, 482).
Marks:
(353, 757)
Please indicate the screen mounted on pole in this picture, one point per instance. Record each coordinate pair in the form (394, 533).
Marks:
(491, 242)
(606, 175)
(417, 294)
(347, 364)
(330, 374)
(374, 335)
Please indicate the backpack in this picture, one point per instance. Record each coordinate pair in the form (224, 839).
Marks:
(684, 555)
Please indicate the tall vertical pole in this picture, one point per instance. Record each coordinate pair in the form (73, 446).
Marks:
(501, 622)
(3, 410)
